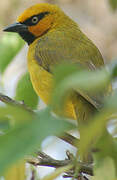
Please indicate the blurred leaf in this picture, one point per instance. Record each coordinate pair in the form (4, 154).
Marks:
(17, 115)
(65, 70)
(57, 172)
(113, 4)
(97, 125)
(26, 137)
(16, 172)
(10, 44)
(78, 80)
(25, 92)
(4, 124)
(81, 78)
(107, 148)
(71, 77)
(106, 171)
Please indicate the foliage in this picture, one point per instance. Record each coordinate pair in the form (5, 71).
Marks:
(113, 4)
(9, 47)
(24, 90)
(105, 170)
(15, 144)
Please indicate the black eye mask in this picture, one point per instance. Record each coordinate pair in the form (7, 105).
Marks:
(40, 16)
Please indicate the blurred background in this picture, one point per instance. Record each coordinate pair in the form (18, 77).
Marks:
(97, 19)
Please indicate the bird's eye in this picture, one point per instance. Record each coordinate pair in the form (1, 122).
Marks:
(35, 19)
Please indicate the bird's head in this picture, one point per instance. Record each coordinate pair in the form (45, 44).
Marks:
(36, 21)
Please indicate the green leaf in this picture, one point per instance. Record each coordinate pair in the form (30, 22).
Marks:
(107, 148)
(4, 124)
(54, 124)
(26, 137)
(106, 171)
(100, 79)
(25, 92)
(16, 115)
(10, 44)
(64, 70)
(113, 4)
(69, 77)
(78, 80)
(96, 127)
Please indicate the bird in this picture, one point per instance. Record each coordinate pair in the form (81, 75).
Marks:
(53, 38)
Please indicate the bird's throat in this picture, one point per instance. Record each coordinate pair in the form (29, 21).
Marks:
(27, 36)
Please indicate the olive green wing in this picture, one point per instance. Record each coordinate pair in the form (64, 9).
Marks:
(56, 48)
(59, 46)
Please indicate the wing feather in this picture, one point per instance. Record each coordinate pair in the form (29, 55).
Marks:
(58, 47)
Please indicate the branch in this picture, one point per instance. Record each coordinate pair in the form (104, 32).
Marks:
(45, 160)
(70, 139)
(7, 100)
(32, 175)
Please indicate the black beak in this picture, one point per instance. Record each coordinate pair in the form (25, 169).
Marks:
(16, 27)
(22, 30)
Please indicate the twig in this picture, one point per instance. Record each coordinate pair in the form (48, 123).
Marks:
(33, 175)
(8, 100)
(79, 177)
(70, 139)
(45, 160)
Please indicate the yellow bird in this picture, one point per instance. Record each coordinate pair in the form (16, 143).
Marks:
(53, 38)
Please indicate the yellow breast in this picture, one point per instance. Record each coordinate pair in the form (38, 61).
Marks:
(43, 81)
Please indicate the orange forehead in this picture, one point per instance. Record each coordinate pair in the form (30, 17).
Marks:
(36, 9)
